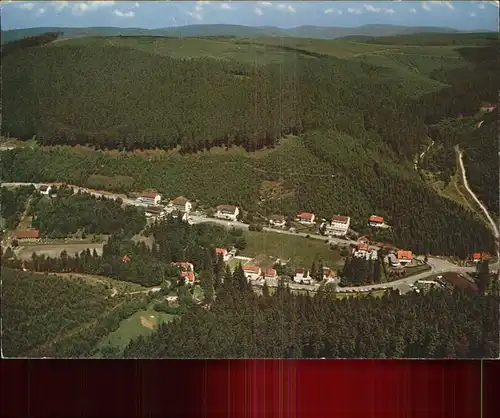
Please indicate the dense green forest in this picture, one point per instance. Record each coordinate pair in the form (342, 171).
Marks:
(129, 101)
(66, 213)
(28, 42)
(340, 133)
(48, 316)
(13, 204)
(241, 324)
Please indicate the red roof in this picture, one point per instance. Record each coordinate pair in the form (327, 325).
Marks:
(305, 215)
(270, 273)
(405, 255)
(251, 269)
(340, 218)
(377, 219)
(126, 259)
(221, 251)
(184, 265)
(363, 247)
(32, 233)
(476, 256)
(150, 195)
(188, 275)
(330, 273)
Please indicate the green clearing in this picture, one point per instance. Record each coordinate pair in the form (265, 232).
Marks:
(192, 48)
(301, 251)
(132, 327)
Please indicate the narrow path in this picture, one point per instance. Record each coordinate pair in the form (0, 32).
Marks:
(473, 195)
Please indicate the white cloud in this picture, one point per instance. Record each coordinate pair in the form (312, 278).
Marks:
(123, 14)
(258, 11)
(481, 6)
(389, 11)
(198, 8)
(281, 6)
(59, 5)
(331, 10)
(354, 11)
(291, 9)
(87, 6)
(371, 8)
(203, 2)
(425, 6)
(226, 6)
(27, 6)
(450, 6)
(195, 15)
(265, 3)
(472, 14)
(136, 5)
(41, 11)
(412, 10)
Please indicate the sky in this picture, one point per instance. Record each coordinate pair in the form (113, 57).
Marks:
(463, 15)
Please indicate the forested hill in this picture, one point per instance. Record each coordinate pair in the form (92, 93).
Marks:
(349, 117)
(227, 30)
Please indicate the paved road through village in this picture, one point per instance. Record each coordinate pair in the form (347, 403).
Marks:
(438, 265)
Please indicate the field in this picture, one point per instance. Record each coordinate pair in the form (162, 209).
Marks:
(266, 247)
(25, 251)
(140, 323)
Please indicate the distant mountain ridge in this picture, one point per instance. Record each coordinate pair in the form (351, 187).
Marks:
(318, 32)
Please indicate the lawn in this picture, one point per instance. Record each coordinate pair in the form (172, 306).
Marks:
(299, 250)
(141, 323)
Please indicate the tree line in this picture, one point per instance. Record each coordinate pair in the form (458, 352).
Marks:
(28, 42)
(284, 325)
(66, 213)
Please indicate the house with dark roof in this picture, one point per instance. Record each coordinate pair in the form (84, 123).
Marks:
(181, 204)
(338, 226)
(277, 221)
(228, 212)
(45, 189)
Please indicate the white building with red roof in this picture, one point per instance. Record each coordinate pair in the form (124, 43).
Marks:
(224, 253)
(252, 272)
(305, 218)
(150, 198)
(339, 225)
(28, 235)
(377, 221)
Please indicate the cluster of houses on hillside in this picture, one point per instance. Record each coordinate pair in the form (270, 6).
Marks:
(178, 207)
(338, 226)
(258, 276)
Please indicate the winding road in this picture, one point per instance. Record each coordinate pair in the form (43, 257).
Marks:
(493, 224)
